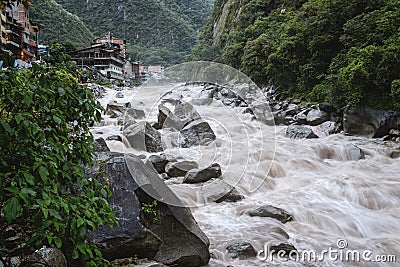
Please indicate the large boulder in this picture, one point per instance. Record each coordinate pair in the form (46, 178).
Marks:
(142, 136)
(134, 113)
(115, 109)
(203, 175)
(183, 114)
(326, 128)
(353, 152)
(186, 113)
(197, 132)
(217, 190)
(316, 116)
(174, 238)
(130, 237)
(205, 97)
(47, 256)
(367, 122)
(159, 162)
(299, 132)
(325, 106)
(180, 168)
(163, 114)
(272, 212)
(171, 97)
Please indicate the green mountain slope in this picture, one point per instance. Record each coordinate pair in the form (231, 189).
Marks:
(342, 51)
(55, 23)
(157, 31)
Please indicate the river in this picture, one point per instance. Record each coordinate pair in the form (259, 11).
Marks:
(338, 203)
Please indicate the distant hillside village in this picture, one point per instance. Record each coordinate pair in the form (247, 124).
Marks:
(106, 56)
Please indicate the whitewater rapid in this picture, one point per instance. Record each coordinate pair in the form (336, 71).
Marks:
(330, 196)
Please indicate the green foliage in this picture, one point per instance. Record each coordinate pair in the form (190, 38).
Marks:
(395, 92)
(346, 52)
(150, 209)
(45, 141)
(58, 25)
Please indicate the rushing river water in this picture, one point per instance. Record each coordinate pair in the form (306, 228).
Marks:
(330, 195)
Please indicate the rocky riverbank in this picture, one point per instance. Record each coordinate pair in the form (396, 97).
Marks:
(177, 125)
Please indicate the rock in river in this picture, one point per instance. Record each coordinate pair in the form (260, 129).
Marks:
(197, 132)
(299, 132)
(272, 212)
(143, 137)
(203, 175)
(173, 239)
(243, 251)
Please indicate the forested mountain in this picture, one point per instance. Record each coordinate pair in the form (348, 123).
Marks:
(342, 51)
(157, 31)
(57, 24)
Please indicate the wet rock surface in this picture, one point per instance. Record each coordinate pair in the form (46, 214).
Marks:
(197, 132)
(203, 175)
(300, 132)
(216, 190)
(243, 251)
(173, 239)
(143, 136)
(177, 169)
(271, 212)
(47, 256)
(369, 123)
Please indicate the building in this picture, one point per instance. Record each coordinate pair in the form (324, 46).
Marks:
(28, 34)
(3, 33)
(21, 32)
(101, 57)
(136, 66)
(110, 40)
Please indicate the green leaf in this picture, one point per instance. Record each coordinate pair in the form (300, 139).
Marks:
(103, 192)
(35, 129)
(61, 91)
(45, 212)
(43, 173)
(12, 190)
(75, 254)
(56, 119)
(80, 222)
(18, 118)
(11, 209)
(55, 214)
(28, 191)
(6, 126)
(58, 242)
(28, 100)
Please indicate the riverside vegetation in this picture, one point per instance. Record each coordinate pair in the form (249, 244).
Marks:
(45, 198)
(344, 52)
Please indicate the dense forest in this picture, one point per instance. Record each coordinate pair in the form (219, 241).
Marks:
(57, 24)
(157, 31)
(342, 51)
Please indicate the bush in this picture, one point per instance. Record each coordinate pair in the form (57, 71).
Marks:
(45, 141)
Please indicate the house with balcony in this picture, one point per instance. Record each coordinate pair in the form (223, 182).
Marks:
(103, 58)
(20, 32)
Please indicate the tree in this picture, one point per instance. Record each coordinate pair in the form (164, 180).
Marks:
(45, 141)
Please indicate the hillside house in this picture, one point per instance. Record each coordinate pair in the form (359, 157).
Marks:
(20, 32)
(102, 57)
